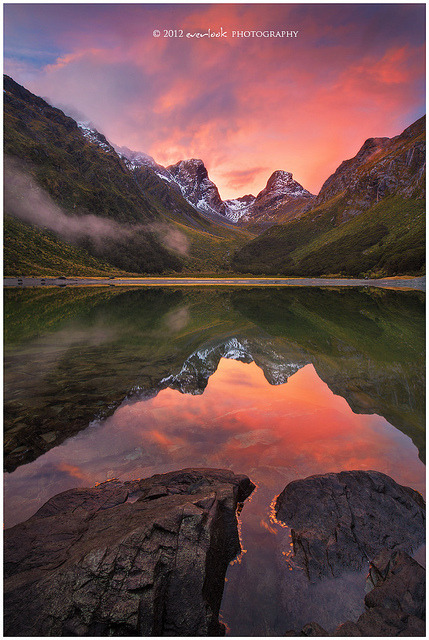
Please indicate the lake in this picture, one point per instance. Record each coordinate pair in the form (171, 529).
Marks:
(276, 383)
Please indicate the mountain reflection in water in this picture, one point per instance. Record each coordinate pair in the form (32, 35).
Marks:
(277, 384)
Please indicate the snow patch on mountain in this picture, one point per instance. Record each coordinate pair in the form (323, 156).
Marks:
(137, 159)
(94, 136)
(238, 207)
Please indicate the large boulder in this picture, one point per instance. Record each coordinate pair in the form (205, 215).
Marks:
(341, 520)
(146, 557)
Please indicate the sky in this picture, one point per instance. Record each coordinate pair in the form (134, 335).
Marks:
(245, 105)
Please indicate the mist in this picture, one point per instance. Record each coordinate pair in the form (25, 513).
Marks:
(26, 200)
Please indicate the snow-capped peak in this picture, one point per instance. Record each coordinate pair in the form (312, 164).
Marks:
(197, 188)
(282, 182)
(238, 207)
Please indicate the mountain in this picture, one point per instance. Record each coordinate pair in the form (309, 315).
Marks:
(383, 167)
(281, 200)
(138, 159)
(65, 178)
(31, 250)
(64, 174)
(187, 177)
(237, 208)
(125, 212)
(193, 180)
(368, 219)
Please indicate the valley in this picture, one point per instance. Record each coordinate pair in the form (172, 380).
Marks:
(214, 358)
(77, 205)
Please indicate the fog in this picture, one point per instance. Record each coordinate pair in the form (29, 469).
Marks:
(25, 199)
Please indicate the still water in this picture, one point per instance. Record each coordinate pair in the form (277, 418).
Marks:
(277, 384)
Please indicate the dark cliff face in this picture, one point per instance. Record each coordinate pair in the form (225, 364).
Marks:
(193, 180)
(139, 558)
(381, 168)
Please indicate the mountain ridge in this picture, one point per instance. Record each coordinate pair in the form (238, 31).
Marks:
(281, 194)
(367, 219)
(83, 175)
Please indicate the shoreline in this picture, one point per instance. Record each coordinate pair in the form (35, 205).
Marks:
(418, 284)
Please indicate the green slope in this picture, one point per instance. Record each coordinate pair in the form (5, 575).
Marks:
(79, 175)
(84, 177)
(32, 251)
(386, 239)
(368, 219)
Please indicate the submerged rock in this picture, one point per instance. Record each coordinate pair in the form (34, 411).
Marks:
(146, 557)
(341, 520)
(396, 606)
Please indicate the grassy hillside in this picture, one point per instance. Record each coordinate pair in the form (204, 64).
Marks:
(79, 175)
(210, 245)
(386, 239)
(88, 177)
(32, 251)
(368, 219)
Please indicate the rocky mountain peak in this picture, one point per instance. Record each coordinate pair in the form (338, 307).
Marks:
(279, 176)
(282, 182)
(282, 195)
(370, 147)
(381, 167)
(193, 179)
(193, 168)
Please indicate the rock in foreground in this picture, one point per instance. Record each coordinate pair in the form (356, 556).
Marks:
(341, 520)
(145, 557)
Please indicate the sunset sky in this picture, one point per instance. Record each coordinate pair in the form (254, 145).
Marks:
(246, 106)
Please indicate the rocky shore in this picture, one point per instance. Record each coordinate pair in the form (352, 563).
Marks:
(149, 557)
(340, 521)
(146, 557)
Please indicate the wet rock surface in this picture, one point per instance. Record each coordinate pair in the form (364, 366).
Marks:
(395, 606)
(341, 520)
(146, 557)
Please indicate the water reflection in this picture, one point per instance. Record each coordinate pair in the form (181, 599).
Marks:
(276, 384)
(73, 355)
(272, 433)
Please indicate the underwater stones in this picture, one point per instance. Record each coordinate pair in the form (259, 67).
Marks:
(395, 606)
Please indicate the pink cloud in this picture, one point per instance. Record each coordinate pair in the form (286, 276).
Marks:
(302, 105)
